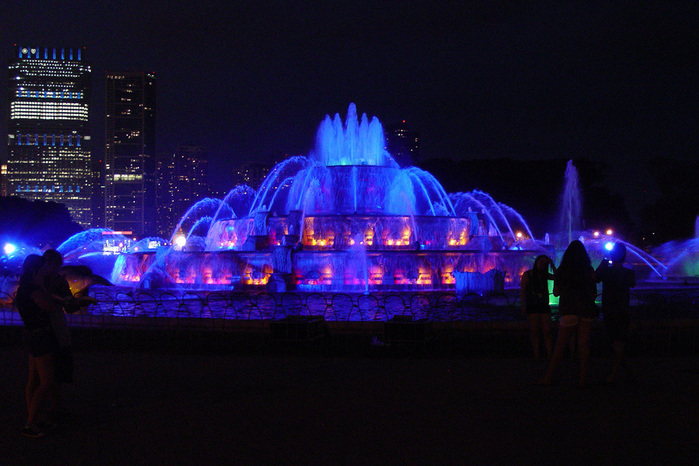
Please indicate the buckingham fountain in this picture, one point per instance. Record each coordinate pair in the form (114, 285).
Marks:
(348, 218)
(344, 218)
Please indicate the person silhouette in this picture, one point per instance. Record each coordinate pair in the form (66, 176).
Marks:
(535, 303)
(62, 301)
(575, 285)
(34, 307)
(616, 310)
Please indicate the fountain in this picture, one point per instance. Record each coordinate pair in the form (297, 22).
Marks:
(345, 217)
(681, 257)
(348, 218)
(571, 205)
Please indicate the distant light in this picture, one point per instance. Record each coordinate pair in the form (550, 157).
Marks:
(519, 234)
(609, 246)
(180, 241)
(609, 232)
(596, 234)
(9, 248)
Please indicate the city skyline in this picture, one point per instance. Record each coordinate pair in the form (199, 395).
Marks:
(607, 82)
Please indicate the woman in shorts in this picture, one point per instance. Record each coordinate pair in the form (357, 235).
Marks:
(34, 305)
(576, 287)
(535, 303)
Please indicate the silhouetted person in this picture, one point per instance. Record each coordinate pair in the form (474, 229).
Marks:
(535, 303)
(616, 282)
(59, 290)
(575, 285)
(62, 301)
(34, 306)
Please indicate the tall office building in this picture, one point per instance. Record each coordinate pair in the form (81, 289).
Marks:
(182, 181)
(129, 184)
(403, 144)
(252, 174)
(48, 155)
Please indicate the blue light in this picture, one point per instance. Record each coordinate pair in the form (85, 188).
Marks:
(609, 246)
(9, 248)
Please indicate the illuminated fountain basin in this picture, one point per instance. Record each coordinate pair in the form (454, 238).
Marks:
(346, 217)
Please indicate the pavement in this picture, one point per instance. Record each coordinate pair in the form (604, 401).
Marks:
(290, 404)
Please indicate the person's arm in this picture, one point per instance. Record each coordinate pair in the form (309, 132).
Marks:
(524, 284)
(42, 299)
(593, 284)
(601, 270)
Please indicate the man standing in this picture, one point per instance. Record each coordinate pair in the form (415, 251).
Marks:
(62, 299)
(616, 281)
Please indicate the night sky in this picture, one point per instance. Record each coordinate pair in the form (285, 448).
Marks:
(613, 81)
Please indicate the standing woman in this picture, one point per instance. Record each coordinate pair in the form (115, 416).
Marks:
(34, 306)
(575, 285)
(535, 303)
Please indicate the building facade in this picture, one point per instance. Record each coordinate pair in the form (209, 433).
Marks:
(48, 154)
(403, 144)
(130, 165)
(252, 174)
(182, 181)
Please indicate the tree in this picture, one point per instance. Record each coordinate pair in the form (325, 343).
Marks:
(35, 223)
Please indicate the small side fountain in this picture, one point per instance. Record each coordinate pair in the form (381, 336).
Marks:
(570, 222)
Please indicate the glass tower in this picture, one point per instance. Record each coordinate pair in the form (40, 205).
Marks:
(48, 155)
(130, 165)
(182, 181)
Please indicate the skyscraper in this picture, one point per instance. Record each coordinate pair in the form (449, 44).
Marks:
(48, 156)
(252, 174)
(182, 181)
(403, 144)
(130, 203)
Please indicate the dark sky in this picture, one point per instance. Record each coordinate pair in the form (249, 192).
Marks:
(603, 80)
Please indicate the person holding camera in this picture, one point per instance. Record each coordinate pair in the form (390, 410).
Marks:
(616, 310)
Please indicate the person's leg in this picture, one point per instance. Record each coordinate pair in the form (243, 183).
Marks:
(565, 332)
(618, 360)
(63, 364)
(32, 382)
(45, 370)
(534, 332)
(584, 329)
(548, 335)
